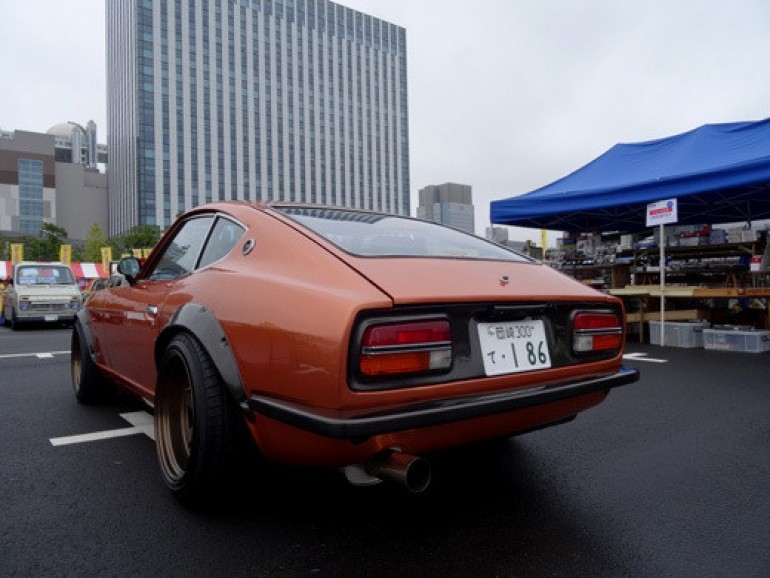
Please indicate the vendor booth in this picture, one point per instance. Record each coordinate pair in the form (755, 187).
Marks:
(720, 173)
(716, 174)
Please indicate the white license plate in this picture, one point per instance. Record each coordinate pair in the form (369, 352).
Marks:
(514, 346)
(51, 318)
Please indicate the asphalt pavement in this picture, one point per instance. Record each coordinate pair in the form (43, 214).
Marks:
(668, 477)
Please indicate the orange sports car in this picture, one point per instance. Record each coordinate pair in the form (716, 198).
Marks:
(340, 338)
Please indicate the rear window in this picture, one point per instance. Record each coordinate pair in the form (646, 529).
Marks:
(376, 235)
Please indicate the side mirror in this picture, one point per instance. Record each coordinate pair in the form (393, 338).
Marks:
(129, 268)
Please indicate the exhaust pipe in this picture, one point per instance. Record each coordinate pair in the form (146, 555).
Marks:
(410, 471)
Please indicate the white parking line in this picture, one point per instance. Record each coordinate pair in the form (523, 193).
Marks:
(141, 423)
(141, 420)
(643, 357)
(41, 355)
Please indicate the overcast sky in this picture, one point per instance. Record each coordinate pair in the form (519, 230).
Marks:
(504, 95)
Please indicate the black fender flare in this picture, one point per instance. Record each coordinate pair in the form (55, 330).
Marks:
(81, 319)
(200, 321)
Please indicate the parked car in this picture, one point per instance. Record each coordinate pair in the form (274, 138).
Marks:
(41, 293)
(96, 285)
(340, 338)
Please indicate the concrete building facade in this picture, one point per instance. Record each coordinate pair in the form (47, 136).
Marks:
(36, 187)
(450, 204)
(263, 100)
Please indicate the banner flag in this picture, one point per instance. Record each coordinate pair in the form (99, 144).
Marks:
(65, 254)
(17, 253)
(106, 259)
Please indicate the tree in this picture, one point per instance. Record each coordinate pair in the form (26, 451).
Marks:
(95, 240)
(45, 247)
(140, 237)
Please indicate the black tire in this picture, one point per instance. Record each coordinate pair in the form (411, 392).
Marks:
(196, 424)
(88, 383)
(13, 321)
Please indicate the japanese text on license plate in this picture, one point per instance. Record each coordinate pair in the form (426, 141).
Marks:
(513, 346)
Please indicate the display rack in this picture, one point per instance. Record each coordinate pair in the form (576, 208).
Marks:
(704, 277)
(725, 265)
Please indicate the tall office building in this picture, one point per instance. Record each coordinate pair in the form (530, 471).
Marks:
(288, 100)
(450, 204)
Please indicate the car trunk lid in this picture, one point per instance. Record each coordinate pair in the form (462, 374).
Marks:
(421, 280)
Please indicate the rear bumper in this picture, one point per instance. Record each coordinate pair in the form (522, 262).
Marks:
(356, 426)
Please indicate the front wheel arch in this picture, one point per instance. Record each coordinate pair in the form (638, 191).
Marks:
(87, 381)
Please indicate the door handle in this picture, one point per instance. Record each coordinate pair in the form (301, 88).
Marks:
(151, 310)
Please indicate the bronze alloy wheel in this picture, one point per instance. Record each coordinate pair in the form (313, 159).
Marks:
(174, 419)
(194, 422)
(87, 381)
(76, 364)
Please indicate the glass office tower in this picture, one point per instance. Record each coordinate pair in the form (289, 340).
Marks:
(288, 100)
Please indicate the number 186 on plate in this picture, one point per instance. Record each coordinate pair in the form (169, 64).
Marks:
(513, 346)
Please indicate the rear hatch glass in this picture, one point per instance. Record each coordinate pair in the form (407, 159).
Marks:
(366, 234)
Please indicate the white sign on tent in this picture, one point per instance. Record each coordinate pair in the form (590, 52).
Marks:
(662, 213)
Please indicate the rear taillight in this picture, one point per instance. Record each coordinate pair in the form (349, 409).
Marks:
(406, 347)
(596, 332)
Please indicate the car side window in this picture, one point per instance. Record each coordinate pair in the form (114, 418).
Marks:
(224, 236)
(182, 253)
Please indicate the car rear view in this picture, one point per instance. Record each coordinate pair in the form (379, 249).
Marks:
(479, 342)
(340, 338)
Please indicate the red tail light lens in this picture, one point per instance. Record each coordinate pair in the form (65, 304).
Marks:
(596, 332)
(408, 347)
(407, 333)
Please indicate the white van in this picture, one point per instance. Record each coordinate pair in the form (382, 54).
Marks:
(41, 292)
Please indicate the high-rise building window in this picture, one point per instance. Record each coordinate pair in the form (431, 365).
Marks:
(30, 196)
(302, 100)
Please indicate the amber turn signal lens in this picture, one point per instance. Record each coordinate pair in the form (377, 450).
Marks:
(394, 363)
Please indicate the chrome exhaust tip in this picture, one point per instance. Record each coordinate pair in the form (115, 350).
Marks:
(412, 472)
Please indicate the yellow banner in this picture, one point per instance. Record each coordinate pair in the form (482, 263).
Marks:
(17, 253)
(65, 254)
(146, 252)
(106, 258)
(137, 253)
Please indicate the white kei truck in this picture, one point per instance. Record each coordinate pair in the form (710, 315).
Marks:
(41, 293)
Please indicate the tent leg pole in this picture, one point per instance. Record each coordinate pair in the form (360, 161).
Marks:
(662, 275)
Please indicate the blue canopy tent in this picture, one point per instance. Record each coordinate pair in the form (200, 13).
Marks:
(719, 173)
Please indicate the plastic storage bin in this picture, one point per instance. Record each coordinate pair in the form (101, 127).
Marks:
(678, 334)
(731, 340)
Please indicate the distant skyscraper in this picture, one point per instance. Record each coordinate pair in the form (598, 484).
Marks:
(450, 204)
(290, 100)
